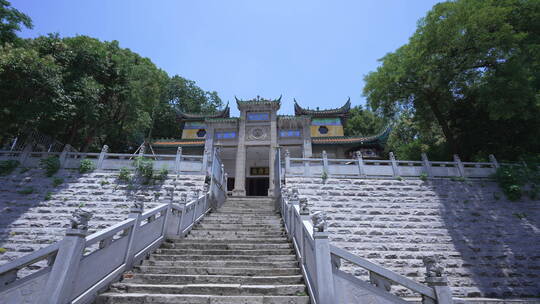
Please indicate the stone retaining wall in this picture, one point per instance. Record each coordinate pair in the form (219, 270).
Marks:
(490, 246)
(30, 221)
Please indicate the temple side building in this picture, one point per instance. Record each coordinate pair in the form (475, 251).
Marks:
(247, 143)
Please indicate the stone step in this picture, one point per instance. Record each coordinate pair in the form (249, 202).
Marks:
(181, 245)
(227, 226)
(213, 289)
(246, 258)
(216, 279)
(219, 271)
(234, 233)
(224, 252)
(191, 240)
(231, 238)
(139, 298)
(222, 264)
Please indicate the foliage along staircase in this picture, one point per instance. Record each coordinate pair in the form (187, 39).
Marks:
(237, 254)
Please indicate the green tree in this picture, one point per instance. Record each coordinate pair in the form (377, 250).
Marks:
(11, 21)
(364, 122)
(472, 69)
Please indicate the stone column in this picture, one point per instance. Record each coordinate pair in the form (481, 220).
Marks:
(209, 143)
(306, 133)
(240, 177)
(272, 152)
(66, 265)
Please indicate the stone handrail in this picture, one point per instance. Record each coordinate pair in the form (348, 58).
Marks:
(81, 266)
(178, 163)
(359, 167)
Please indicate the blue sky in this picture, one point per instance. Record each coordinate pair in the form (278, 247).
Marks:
(315, 51)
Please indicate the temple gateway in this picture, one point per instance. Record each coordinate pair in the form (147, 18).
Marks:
(247, 143)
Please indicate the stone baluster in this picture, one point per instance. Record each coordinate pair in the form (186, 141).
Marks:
(325, 162)
(459, 165)
(25, 154)
(287, 161)
(426, 165)
(135, 212)
(323, 263)
(178, 160)
(63, 156)
(64, 271)
(360, 163)
(395, 169)
(102, 157)
(435, 279)
(205, 161)
(494, 161)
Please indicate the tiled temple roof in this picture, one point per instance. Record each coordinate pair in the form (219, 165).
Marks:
(225, 113)
(342, 111)
(224, 119)
(172, 142)
(340, 140)
(258, 100)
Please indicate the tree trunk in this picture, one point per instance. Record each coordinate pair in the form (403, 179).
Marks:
(441, 120)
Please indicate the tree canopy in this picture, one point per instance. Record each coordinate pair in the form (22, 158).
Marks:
(11, 21)
(87, 93)
(470, 73)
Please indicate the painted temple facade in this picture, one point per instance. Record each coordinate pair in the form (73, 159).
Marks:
(247, 143)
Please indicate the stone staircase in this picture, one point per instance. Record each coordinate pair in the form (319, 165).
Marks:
(490, 246)
(237, 254)
(35, 211)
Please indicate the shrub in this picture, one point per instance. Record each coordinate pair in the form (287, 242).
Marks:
(458, 178)
(511, 180)
(51, 165)
(324, 176)
(57, 181)
(144, 167)
(124, 175)
(399, 178)
(3, 250)
(162, 174)
(7, 166)
(48, 196)
(104, 182)
(26, 191)
(423, 176)
(86, 166)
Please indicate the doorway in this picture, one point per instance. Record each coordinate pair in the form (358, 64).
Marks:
(257, 186)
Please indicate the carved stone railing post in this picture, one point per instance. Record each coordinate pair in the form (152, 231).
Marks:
(325, 162)
(395, 169)
(205, 161)
(360, 163)
(66, 265)
(25, 153)
(63, 155)
(494, 161)
(287, 161)
(323, 263)
(436, 280)
(178, 160)
(459, 164)
(135, 212)
(426, 165)
(102, 156)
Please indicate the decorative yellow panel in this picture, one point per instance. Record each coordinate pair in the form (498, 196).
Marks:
(316, 131)
(322, 127)
(194, 130)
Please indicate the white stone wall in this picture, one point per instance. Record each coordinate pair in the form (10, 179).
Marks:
(490, 246)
